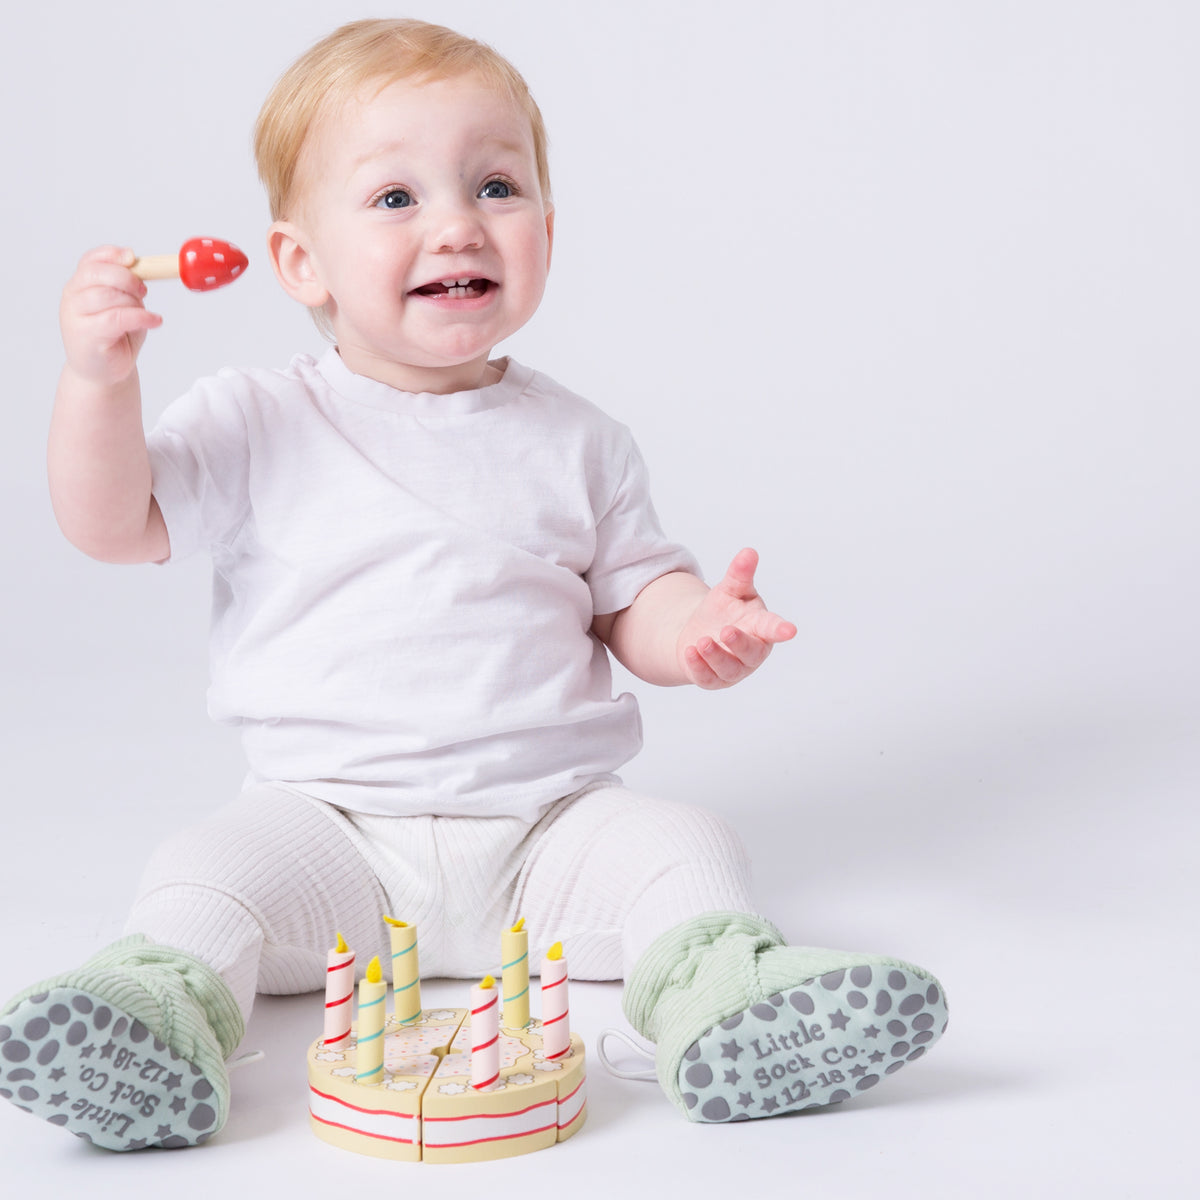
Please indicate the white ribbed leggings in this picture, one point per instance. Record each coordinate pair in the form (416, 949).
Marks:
(259, 889)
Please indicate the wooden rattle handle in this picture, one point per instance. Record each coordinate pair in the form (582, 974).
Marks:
(156, 266)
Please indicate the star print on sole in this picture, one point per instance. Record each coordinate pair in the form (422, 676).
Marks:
(823, 1042)
(748, 1027)
(127, 1052)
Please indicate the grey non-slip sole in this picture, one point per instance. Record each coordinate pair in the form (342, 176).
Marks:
(824, 1041)
(78, 1062)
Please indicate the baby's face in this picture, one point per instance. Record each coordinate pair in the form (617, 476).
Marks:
(425, 230)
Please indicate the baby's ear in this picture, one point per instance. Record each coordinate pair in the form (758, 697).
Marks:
(294, 265)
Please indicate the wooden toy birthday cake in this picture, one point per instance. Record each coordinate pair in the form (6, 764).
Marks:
(446, 1084)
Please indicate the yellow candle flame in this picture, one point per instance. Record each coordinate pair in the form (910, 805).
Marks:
(396, 924)
(374, 971)
(519, 926)
(341, 946)
(555, 951)
(487, 983)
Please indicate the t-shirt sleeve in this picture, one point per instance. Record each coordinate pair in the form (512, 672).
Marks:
(199, 464)
(631, 548)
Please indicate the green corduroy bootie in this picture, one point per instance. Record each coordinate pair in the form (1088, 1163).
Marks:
(128, 1051)
(745, 1026)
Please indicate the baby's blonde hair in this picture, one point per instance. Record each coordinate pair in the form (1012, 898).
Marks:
(373, 51)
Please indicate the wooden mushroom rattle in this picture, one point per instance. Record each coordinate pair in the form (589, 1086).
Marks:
(202, 264)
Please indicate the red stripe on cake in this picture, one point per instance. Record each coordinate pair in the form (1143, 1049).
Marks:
(500, 1137)
(516, 1112)
(383, 1137)
(582, 1110)
(374, 1112)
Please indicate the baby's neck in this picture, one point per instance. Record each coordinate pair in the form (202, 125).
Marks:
(405, 377)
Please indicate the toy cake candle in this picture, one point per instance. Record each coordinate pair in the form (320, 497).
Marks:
(485, 1034)
(450, 1085)
(556, 1022)
(339, 993)
(514, 981)
(372, 1011)
(406, 970)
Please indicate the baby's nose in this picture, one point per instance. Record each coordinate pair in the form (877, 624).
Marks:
(455, 227)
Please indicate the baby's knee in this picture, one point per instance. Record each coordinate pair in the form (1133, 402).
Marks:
(651, 835)
(695, 834)
(235, 851)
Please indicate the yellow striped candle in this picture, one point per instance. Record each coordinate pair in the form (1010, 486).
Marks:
(485, 1034)
(339, 993)
(372, 1011)
(556, 1021)
(406, 970)
(514, 975)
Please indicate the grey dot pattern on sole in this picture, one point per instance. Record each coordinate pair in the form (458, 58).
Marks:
(824, 1041)
(69, 1057)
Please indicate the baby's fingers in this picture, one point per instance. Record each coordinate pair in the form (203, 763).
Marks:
(105, 308)
(699, 671)
(121, 254)
(100, 282)
(107, 262)
(722, 664)
(103, 281)
(770, 628)
(103, 319)
(113, 322)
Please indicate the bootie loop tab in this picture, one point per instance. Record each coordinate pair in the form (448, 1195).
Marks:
(647, 1076)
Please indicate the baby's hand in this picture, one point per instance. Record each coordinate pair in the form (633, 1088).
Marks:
(102, 316)
(731, 633)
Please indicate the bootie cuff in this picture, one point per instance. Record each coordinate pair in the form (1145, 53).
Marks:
(672, 960)
(127, 1051)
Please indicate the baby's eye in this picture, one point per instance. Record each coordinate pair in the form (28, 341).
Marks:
(394, 198)
(496, 189)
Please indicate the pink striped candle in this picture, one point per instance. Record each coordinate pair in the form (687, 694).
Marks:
(556, 1021)
(339, 993)
(485, 1034)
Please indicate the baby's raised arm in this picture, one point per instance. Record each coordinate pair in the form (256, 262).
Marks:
(98, 466)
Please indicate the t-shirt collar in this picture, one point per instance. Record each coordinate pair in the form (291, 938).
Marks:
(370, 392)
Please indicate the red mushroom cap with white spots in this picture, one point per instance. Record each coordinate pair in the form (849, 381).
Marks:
(206, 263)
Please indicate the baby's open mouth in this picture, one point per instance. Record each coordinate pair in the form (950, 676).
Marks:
(455, 289)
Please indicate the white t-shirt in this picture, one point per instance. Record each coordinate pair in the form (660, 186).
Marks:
(404, 585)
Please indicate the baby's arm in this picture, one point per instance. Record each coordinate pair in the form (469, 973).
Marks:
(679, 630)
(98, 465)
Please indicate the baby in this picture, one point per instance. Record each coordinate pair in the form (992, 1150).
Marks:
(423, 557)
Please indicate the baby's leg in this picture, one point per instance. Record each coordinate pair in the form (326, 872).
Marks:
(258, 890)
(610, 871)
(129, 1050)
(744, 1026)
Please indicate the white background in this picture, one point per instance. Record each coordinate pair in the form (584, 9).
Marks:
(903, 293)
